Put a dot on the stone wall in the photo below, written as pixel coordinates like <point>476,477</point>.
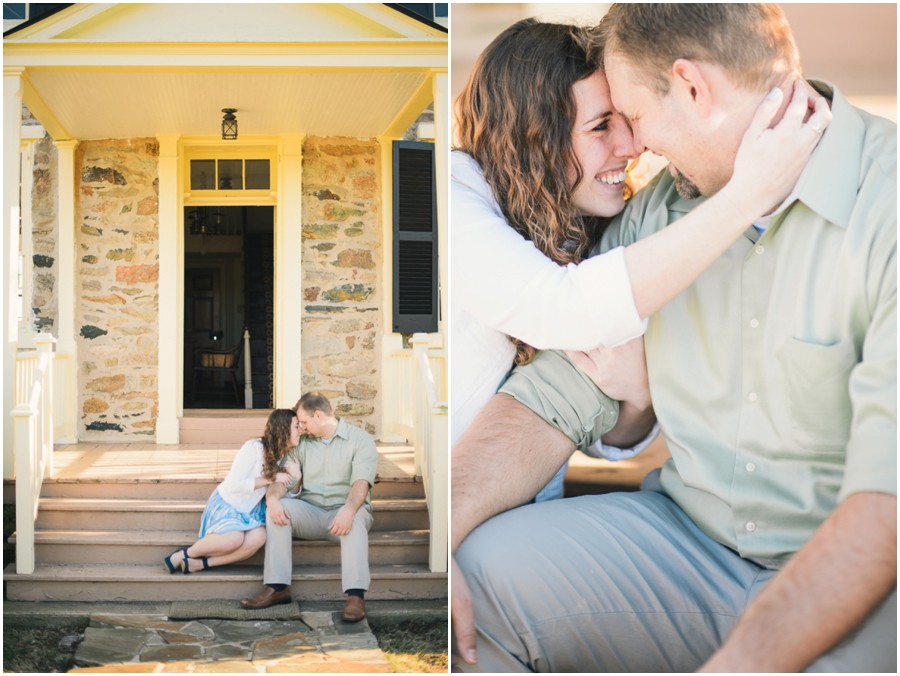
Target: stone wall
<point>45,224</point>
<point>117,271</point>
<point>342,285</point>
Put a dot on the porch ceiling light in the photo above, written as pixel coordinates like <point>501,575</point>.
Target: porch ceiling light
<point>229,124</point>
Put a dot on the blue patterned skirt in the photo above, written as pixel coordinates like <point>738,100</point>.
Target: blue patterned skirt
<point>220,517</point>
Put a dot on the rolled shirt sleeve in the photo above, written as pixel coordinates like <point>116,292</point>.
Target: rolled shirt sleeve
<point>365,461</point>
<point>560,393</point>
<point>872,446</point>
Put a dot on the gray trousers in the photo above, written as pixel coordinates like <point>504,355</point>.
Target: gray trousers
<point>624,582</point>
<point>309,522</point>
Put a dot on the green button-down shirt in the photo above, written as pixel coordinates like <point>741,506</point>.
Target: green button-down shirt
<point>329,470</point>
<point>774,375</point>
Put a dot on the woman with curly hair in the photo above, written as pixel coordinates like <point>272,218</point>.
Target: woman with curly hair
<point>540,167</point>
<point>233,525</point>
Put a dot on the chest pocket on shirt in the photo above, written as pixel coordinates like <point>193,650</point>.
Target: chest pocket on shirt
<point>818,393</point>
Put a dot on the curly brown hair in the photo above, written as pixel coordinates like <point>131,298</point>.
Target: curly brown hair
<point>276,440</point>
<point>515,119</point>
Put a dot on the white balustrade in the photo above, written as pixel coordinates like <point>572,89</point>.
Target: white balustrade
<point>32,441</point>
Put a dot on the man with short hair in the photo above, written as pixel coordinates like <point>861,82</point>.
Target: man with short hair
<point>332,502</point>
<point>768,541</point>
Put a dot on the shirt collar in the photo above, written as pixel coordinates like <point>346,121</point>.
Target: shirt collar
<point>829,182</point>
<point>341,429</point>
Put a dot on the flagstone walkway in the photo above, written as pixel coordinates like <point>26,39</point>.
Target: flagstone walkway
<point>316,642</point>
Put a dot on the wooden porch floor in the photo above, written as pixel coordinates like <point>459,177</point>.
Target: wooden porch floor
<point>146,462</point>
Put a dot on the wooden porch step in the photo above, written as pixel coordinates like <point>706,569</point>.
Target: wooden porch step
<point>194,489</point>
<point>148,547</point>
<point>51,582</point>
<point>142,513</point>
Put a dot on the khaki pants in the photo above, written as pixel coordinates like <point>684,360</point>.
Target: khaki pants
<point>309,522</point>
<point>623,582</point>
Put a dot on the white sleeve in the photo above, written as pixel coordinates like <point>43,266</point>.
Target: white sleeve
<point>241,477</point>
<point>614,453</point>
<point>502,279</point>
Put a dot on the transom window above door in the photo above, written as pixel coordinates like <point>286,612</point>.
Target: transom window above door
<point>230,174</point>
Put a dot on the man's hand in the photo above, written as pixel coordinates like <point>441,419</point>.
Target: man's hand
<point>277,512</point>
<point>343,521</point>
<point>462,616</point>
<point>274,508</point>
<point>284,479</point>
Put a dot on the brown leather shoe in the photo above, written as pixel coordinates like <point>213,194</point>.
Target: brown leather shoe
<point>355,610</point>
<point>267,597</point>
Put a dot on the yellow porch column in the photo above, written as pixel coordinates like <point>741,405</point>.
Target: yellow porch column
<point>442,178</point>
<point>289,274</point>
<point>12,134</point>
<point>66,366</point>
<point>170,301</point>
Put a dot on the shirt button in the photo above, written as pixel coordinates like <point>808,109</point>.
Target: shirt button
<point>750,526</point>
<point>752,396</point>
<point>760,249</point>
<point>754,323</point>
<point>751,467</point>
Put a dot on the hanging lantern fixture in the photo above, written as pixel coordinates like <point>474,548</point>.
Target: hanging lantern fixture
<point>229,124</point>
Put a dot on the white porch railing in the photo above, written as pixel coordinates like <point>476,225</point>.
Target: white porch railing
<point>32,440</point>
<point>431,444</point>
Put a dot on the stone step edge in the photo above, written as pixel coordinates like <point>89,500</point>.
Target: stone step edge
<point>99,573</point>
<point>165,505</point>
<point>162,537</point>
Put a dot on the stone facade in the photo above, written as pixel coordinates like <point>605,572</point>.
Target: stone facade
<point>45,224</point>
<point>342,285</point>
<point>117,270</point>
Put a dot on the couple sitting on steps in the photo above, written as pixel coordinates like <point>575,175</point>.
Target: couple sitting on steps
<point>309,476</point>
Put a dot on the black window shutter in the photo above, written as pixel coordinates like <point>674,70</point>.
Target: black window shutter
<point>415,239</point>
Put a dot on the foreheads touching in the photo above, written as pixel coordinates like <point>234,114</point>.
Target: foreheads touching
<point>313,411</point>
<point>752,43</point>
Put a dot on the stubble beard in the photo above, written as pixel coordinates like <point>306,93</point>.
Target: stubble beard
<point>686,188</point>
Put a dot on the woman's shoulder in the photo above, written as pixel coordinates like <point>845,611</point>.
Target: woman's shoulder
<point>252,446</point>
<point>464,168</point>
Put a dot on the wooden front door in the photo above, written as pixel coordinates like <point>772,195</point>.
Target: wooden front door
<point>202,321</point>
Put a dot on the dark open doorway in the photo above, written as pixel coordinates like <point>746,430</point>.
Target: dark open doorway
<point>228,287</point>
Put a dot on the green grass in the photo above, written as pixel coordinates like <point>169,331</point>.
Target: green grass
<point>41,644</point>
<point>413,646</point>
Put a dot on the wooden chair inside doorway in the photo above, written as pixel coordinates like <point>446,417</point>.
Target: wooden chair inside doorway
<point>217,361</point>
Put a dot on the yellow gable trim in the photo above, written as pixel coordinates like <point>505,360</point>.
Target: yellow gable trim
<point>226,22</point>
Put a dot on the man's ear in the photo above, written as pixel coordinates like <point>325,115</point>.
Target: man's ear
<point>691,84</point>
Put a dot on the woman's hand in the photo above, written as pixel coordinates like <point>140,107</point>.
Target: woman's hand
<point>621,372</point>
<point>292,467</point>
<point>285,479</point>
<point>771,158</point>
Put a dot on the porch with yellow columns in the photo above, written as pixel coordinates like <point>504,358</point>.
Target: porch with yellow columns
<point>170,301</point>
<point>12,135</point>
<point>65,391</point>
<point>289,273</point>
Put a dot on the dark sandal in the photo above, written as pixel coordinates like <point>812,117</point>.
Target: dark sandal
<point>186,569</point>
<point>168,560</point>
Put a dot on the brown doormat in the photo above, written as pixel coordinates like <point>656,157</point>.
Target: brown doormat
<point>230,609</point>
